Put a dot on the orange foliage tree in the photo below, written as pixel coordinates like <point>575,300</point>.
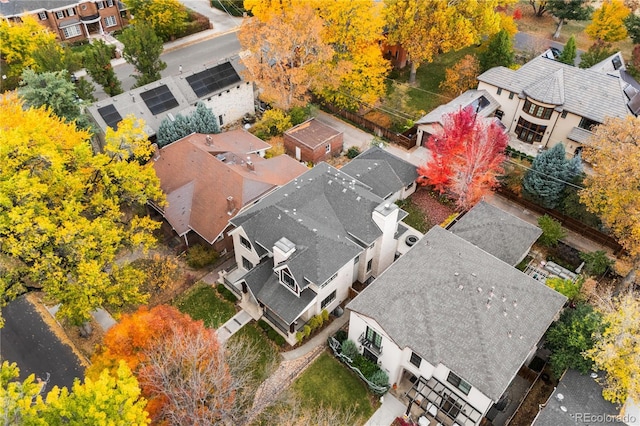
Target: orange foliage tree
<point>467,155</point>
<point>183,371</point>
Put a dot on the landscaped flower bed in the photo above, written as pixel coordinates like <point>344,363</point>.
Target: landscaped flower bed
<point>347,352</point>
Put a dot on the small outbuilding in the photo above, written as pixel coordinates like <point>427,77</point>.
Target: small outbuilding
<point>313,141</point>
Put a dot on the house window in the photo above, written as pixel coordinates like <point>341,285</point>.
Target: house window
<point>327,148</point>
<point>537,110</point>
<point>415,359</point>
<point>456,381</point>
<point>499,92</point>
<point>245,243</point>
<point>409,186</point>
<point>73,31</point>
<point>220,120</point>
<point>110,21</point>
<point>374,338</point>
<point>564,114</point>
<point>109,3</point>
<point>587,124</point>
<point>246,264</point>
<point>529,132</point>
<point>60,14</point>
<point>511,95</point>
<point>287,279</point>
<point>357,259</point>
<point>369,264</point>
<point>330,298</point>
<point>42,15</point>
<point>331,278</point>
<point>71,12</point>
<point>100,4</point>
<point>499,114</point>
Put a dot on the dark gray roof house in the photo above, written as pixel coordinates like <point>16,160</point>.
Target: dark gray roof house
<point>385,173</point>
<point>578,400</point>
<point>497,232</point>
<point>452,303</point>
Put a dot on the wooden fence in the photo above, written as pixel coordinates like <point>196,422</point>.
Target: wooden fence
<point>566,221</point>
<point>397,138</point>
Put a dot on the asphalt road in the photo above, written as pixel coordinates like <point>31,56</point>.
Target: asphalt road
<point>526,42</point>
<point>27,340</point>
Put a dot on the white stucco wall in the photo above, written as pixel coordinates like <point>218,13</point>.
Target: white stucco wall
<point>240,250</point>
<point>385,248</point>
<point>477,399</point>
<point>340,284</point>
<point>233,103</point>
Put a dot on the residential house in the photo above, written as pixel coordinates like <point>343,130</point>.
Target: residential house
<point>301,248</point>
<point>219,87</point>
<point>578,400</point>
<point>208,179</point>
<point>545,102</point>
<point>452,325</point>
<point>479,100</point>
<point>388,176</point>
<point>312,141</point>
<point>70,20</point>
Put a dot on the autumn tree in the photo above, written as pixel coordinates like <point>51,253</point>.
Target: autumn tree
<point>56,57</point>
<point>550,172</point>
<point>597,52</point>
<point>213,384</point>
<point>539,7</point>
<point>608,22</point>
<point>286,55</point>
<point>274,122</point>
<point>568,10</point>
<point>166,18</point>
<point>97,62</point>
<point>572,335</point>
<point>426,28</point>
<point>569,53</point>
<point>66,212</point>
<point>632,23</point>
<point>18,42</point>
<point>467,155</point>
<point>616,350</point>
<point>142,49</point>
<point>613,190</point>
<point>462,77</point>
<point>498,52</point>
<point>115,397</point>
<point>634,65</point>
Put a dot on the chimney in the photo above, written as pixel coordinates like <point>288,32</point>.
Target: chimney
<point>231,209</point>
<point>250,165</point>
<point>208,140</point>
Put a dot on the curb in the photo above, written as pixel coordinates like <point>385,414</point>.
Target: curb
<point>198,40</point>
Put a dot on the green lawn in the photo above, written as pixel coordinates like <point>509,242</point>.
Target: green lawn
<point>416,218</point>
<point>327,382</point>
<point>268,355</point>
<point>202,302</point>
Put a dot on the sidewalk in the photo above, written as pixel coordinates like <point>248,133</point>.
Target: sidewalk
<point>316,341</point>
<point>390,409</point>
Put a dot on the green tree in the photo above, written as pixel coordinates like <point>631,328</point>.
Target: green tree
<point>499,52</point>
<point>85,89</point>
<point>566,287</point>
<point>66,212</point>
<point>568,10</point>
<point>544,183</point>
<point>608,22</point>
<point>571,336</point>
<point>598,51</point>
<point>55,57</point>
<point>142,49</point>
<point>596,263</point>
<point>274,122</point>
<point>54,90</point>
<point>552,231</point>
<point>203,120</point>
<point>113,400</point>
<point>97,61</point>
<point>568,55</point>
<point>632,23</point>
<point>167,18</point>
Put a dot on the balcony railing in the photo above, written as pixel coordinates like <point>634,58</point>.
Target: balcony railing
<point>377,350</point>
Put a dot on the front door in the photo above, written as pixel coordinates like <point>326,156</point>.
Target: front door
<point>370,356</point>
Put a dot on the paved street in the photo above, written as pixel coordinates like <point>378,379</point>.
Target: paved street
<point>28,341</point>
<point>526,42</point>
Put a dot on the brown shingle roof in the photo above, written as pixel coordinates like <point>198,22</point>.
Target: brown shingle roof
<point>312,133</point>
<point>202,181</point>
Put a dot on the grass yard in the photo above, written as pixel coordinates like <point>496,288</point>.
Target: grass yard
<point>327,382</point>
<point>416,218</point>
<point>268,354</point>
<point>202,302</point>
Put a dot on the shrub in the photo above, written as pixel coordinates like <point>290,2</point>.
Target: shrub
<point>315,322</point>
<point>567,287</point>
<point>226,293</point>
<point>160,271</point>
<point>200,256</point>
<point>274,122</point>
<point>263,325</point>
<point>299,337</point>
<point>366,367</point>
<point>306,330</point>
<point>349,348</point>
<point>353,152</point>
<point>379,378</point>
<point>552,231</point>
<point>325,315</point>
<point>299,114</point>
<point>596,263</point>
<point>341,336</point>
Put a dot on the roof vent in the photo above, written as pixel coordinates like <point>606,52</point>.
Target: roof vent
<point>560,397</point>
<point>515,303</point>
<point>563,408</point>
<point>460,287</point>
<point>250,165</point>
<point>479,289</point>
<point>208,139</point>
<point>593,375</point>
<point>456,274</point>
<point>473,274</point>
<point>386,206</point>
<point>510,333</point>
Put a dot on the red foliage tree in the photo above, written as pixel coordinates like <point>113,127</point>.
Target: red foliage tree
<point>466,156</point>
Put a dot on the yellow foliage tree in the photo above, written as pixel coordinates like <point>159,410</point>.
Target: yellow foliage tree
<point>461,77</point>
<point>65,212</point>
<point>616,350</point>
<point>166,17</point>
<point>426,28</point>
<point>608,22</point>
<point>613,190</point>
<point>18,42</point>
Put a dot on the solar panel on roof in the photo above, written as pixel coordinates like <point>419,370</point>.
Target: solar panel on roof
<point>159,99</point>
<point>110,115</point>
<point>213,79</point>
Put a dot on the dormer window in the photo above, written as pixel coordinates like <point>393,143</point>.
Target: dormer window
<point>537,110</point>
<point>245,243</point>
<point>287,279</point>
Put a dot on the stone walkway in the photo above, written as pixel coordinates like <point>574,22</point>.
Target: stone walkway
<point>232,326</point>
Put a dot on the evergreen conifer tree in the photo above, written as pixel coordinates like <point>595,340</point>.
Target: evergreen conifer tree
<point>203,120</point>
<point>499,52</point>
<point>568,55</point>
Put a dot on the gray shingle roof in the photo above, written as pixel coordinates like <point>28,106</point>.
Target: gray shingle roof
<point>382,171</point>
<point>497,232</point>
<point>548,90</point>
<point>18,7</point>
<point>434,300</point>
<point>324,210</point>
<point>581,394</point>
<point>587,93</point>
<point>579,134</point>
<point>462,101</point>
